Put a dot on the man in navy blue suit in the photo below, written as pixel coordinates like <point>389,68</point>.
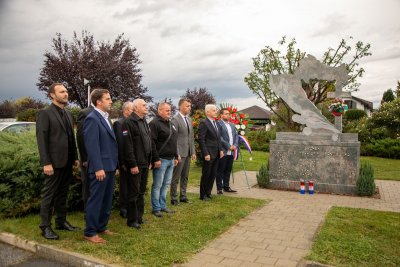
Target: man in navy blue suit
<point>229,141</point>
<point>102,155</point>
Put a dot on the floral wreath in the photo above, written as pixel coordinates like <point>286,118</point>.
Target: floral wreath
<point>240,120</point>
<point>338,107</point>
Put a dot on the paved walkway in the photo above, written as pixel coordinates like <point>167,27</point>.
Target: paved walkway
<point>281,232</point>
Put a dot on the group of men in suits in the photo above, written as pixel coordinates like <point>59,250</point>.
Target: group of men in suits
<point>218,140</point>
<point>131,145</point>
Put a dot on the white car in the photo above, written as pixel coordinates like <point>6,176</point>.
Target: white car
<point>17,126</point>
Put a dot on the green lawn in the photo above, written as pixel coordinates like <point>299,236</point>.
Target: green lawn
<point>161,241</point>
<point>385,169</point>
<point>358,237</point>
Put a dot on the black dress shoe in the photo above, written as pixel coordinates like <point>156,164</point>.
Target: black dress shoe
<point>142,221</point>
<point>168,211</point>
<point>185,200</point>
<point>209,196</point>
<point>219,192</point>
<point>67,226</point>
<point>123,213</point>
<point>229,190</point>
<point>157,213</point>
<point>174,202</point>
<point>48,233</point>
<point>134,225</point>
<point>205,198</point>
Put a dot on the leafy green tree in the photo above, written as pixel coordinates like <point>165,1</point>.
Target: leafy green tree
<point>276,61</point>
<point>114,66</point>
<point>388,116</point>
<point>398,89</point>
<point>388,96</point>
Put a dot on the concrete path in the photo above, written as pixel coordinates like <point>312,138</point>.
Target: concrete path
<point>15,257</point>
<point>281,232</point>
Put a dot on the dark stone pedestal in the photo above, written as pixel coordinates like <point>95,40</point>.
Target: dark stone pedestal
<point>333,166</point>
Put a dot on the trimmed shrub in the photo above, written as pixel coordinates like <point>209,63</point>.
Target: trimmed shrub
<point>27,115</point>
<point>366,183</point>
<point>354,114</point>
<point>259,140</point>
<point>21,177</point>
<point>263,176</point>
<point>385,148</point>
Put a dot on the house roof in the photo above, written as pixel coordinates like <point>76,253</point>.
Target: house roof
<point>366,103</point>
<point>256,113</point>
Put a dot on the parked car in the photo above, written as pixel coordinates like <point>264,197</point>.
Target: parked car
<point>17,127</point>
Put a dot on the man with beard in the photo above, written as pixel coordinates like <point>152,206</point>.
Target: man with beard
<point>57,151</point>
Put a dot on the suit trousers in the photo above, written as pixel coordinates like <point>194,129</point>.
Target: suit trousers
<point>99,204</point>
<point>224,172</point>
<point>180,176</point>
<point>209,171</point>
<point>137,184</point>
<point>123,188</point>
<point>54,196</point>
<point>85,185</point>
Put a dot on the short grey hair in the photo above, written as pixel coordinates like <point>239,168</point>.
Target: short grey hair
<point>162,104</point>
<point>209,107</point>
<point>127,105</point>
<point>136,102</point>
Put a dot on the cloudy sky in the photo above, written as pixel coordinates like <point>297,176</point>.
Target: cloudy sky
<point>196,43</point>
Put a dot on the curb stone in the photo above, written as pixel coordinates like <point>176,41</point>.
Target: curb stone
<point>50,253</point>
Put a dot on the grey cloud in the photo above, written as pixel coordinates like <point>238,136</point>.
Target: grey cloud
<point>332,24</point>
<point>144,8</point>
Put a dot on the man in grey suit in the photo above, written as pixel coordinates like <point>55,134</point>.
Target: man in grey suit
<point>186,151</point>
<point>229,141</point>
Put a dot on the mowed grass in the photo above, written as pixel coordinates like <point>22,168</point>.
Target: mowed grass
<point>358,237</point>
<point>161,241</point>
<point>385,169</point>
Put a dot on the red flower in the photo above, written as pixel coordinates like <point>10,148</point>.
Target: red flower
<point>245,122</point>
<point>237,121</point>
<point>241,115</point>
<point>229,108</point>
<point>234,109</point>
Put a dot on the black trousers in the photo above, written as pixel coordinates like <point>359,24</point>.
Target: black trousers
<point>123,188</point>
<point>209,171</point>
<point>137,184</point>
<point>224,172</point>
<point>85,185</point>
<point>54,196</point>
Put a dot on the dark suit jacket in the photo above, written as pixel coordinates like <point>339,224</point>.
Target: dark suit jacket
<point>101,144</point>
<point>52,137</point>
<point>117,126</point>
<point>79,131</point>
<point>225,136</point>
<point>209,139</point>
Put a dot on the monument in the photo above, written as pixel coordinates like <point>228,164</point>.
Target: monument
<point>321,153</point>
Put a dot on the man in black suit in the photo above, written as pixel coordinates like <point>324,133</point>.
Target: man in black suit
<point>82,151</point>
<point>211,150</point>
<point>57,150</point>
<point>127,109</point>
